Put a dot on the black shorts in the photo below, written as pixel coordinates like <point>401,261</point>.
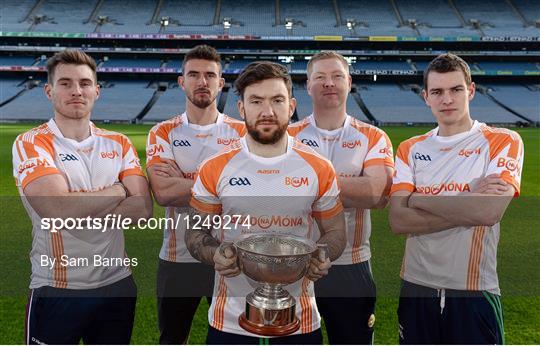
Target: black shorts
<point>346,302</point>
<point>97,316</point>
<point>443,316</point>
<point>180,287</point>
<point>217,337</point>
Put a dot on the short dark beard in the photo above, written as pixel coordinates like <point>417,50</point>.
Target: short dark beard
<point>256,135</point>
<point>201,104</point>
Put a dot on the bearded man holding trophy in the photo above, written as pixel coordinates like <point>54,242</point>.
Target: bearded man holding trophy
<point>252,212</point>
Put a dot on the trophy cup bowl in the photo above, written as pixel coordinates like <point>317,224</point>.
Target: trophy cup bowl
<point>272,261</point>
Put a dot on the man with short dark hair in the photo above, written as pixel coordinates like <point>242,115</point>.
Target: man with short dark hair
<point>69,170</point>
<point>451,188</point>
<point>174,150</point>
<point>273,181</point>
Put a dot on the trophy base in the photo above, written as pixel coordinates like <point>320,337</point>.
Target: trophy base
<point>268,330</point>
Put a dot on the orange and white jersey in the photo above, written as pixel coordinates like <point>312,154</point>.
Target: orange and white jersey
<point>188,145</point>
<point>278,195</point>
<point>461,258</point>
<point>351,148</point>
<point>95,163</point>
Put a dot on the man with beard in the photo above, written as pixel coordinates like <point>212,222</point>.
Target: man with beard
<point>278,184</point>
<point>174,150</point>
<point>69,170</point>
<point>362,157</point>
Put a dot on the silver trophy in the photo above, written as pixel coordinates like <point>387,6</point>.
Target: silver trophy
<point>272,261</point>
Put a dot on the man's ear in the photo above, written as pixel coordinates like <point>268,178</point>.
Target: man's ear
<point>241,109</point>
<point>472,90</point>
<point>180,81</point>
<point>292,107</point>
<point>48,90</point>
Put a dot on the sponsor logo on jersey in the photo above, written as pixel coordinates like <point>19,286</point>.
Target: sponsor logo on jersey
<point>181,143</point>
<point>310,143</point>
<point>351,145</point>
<point>68,157</point>
<point>330,139</point>
<point>33,162</point>
<point>509,164</point>
<point>154,149</point>
<point>296,181</point>
<point>267,221</point>
<point>268,171</point>
<point>469,152</point>
<point>136,162</point>
<point>346,175</point>
<point>387,151</point>
<point>445,149</point>
<point>239,181</point>
<point>203,135</point>
<point>422,157</point>
<point>227,141</point>
<point>109,154</point>
<point>85,150</point>
<point>436,189</point>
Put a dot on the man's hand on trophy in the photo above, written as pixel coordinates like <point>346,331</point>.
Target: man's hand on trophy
<point>225,260</point>
<point>320,263</point>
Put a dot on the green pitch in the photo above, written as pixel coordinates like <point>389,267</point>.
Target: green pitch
<point>519,254</point>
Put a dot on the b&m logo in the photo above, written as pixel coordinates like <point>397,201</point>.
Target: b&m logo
<point>154,149</point>
<point>227,141</point>
<point>310,143</point>
<point>266,221</point>
<point>31,163</point>
<point>350,145</point>
<point>181,143</point>
<point>469,152</point>
<point>386,151</point>
<point>436,189</point>
<point>68,157</point>
<point>509,164</point>
<point>422,157</point>
<point>135,162</point>
<point>239,181</point>
<point>109,154</point>
<point>296,181</point>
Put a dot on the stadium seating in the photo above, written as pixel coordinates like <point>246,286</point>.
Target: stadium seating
<point>118,62</point>
<point>172,102</point>
<point>252,17</point>
<point>231,108</point>
<point>405,105</point>
<point>9,88</point>
<point>519,98</point>
<point>17,61</point>
<point>31,105</point>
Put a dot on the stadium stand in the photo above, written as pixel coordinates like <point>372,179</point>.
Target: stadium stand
<point>250,17</point>
<point>523,100</point>
<point>8,89</point>
<point>30,105</point>
<point>170,103</point>
<point>381,65</point>
<point>17,61</point>
<point>406,106</point>
<point>63,21</point>
<point>231,108</point>
<point>118,62</point>
<point>122,100</point>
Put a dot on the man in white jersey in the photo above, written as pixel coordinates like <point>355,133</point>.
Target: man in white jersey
<point>174,150</point>
<point>362,157</point>
<point>281,185</point>
<point>70,170</point>
<point>450,191</point>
